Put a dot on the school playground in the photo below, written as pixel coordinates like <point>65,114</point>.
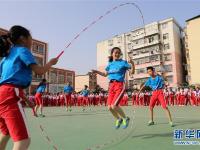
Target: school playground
<point>93,129</point>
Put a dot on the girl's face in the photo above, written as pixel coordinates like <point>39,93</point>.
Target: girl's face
<point>116,54</point>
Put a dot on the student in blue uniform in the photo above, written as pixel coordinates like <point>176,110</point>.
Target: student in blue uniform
<point>38,98</point>
<point>116,71</point>
<point>15,75</point>
<point>68,90</point>
<point>156,83</point>
<point>85,93</point>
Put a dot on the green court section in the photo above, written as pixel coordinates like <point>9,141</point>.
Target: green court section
<point>93,129</point>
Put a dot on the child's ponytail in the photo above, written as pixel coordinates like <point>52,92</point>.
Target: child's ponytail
<point>15,33</point>
<point>4,45</point>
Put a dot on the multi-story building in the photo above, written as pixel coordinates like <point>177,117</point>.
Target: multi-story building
<point>192,46</point>
<point>155,44</point>
<point>89,79</point>
<point>58,78</point>
<point>103,52</point>
<point>40,52</point>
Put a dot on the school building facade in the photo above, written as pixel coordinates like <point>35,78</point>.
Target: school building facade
<point>159,42</point>
<point>88,79</point>
<point>192,49</point>
<point>58,78</point>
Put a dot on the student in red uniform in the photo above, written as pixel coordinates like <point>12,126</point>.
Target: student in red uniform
<point>101,98</point>
<point>125,99</point>
<point>137,100</point>
<point>85,93</point>
<point>15,75</point>
<point>182,97</point>
<point>193,97</point>
<point>134,98</point>
<point>96,99</point>
<point>166,96</point>
<point>177,95</point>
<point>156,83</point>
<point>105,99</point>
<point>38,98</point>
<point>171,97</point>
<point>146,98</point>
<point>68,90</point>
<point>141,99</point>
<point>197,95</point>
<point>62,99</point>
<point>115,71</point>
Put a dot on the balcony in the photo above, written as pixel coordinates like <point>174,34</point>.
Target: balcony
<point>146,44</point>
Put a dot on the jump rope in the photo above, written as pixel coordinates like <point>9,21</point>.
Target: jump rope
<point>127,133</point>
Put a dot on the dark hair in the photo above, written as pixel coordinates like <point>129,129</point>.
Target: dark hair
<point>4,45</point>
<point>41,83</point>
<point>12,38</point>
<point>150,68</point>
<point>86,86</point>
<point>110,58</point>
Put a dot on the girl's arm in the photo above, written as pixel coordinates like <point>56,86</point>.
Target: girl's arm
<point>40,70</point>
<point>105,74</point>
<point>141,89</point>
<point>131,62</point>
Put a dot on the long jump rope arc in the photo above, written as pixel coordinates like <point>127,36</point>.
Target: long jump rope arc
<point>127,134</point>
<point>118,140</point>
<point>100,18</point>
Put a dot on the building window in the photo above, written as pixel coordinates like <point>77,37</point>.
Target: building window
<point>164,25</point>
<point>168,68</point>
<point>110,42</point>
<point>168,57</point>
<point>139,71</point>
<point>137,62</point>
<point>154,58</point>
<point>61,78</point>
<point>119,39</point>
<point>147,60</point>
<point>151,39</point>
<point>128,37</point>
<point>165,36</point>
<point>38,48</point>
<point>53,77</point>
<point>166,46</point>
<point>188,78</point>
<point>41,49</point>
<point>69,77</point>
<point>170,79</point>
<point>129,45</point>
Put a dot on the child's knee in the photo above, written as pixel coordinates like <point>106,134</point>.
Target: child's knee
<point>4,138</point>
<point>114,107</point>
<point>109,107</point>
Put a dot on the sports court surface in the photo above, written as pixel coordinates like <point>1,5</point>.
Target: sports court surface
<point>94,129</point>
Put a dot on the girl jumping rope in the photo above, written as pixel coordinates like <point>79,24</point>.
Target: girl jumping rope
<point>116,71</point>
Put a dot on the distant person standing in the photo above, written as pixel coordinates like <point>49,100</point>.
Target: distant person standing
<point>68,90</point>
<point>38,97</point>
<point>85,93</point>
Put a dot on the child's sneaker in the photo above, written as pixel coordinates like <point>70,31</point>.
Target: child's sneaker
<point>171,124</point>
<point>118,123</point>
<point>125,122</point>
<point>150,123</point>
<point>41,115</point>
